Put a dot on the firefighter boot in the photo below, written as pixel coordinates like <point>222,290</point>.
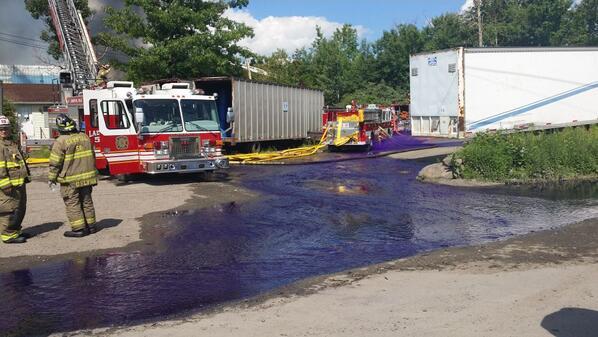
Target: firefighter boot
<point>18,239</point>
<point>77,234</point>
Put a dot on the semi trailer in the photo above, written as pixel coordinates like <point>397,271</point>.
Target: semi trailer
<point>458,92</point>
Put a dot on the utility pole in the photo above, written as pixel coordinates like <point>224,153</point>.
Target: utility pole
<point>478,4</point>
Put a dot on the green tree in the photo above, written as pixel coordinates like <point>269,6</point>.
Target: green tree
<point>580,27</point>
<point>176,38</point>
<point>449,31</point>
<point>375,93</point>
<point>9,111</point>
<point>39,9</point>
<point>392,52</point>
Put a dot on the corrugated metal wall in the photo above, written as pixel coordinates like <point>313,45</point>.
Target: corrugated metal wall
<point>272,112</point>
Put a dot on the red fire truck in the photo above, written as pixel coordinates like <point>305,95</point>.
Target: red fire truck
<point>163,129</point>
<point>356,127</point>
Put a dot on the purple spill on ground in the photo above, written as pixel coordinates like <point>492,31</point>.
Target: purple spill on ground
<point>313,220</point>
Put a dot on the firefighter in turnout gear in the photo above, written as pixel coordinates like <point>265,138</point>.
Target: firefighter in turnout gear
<point>72,165</point>
<point>14,174</point>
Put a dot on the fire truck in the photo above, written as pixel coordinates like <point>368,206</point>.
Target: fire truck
<point>356,127</point>
<point>167,129</point>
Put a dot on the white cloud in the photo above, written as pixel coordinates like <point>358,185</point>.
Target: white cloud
<point>467,5</point>
<point>284,32</point>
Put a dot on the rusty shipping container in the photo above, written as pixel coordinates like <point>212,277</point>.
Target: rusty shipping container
<point>264,111</point>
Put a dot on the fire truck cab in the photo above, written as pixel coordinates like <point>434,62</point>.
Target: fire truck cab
<point>166,130</point>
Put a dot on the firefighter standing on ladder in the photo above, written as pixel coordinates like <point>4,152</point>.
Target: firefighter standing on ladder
<point>14,174</point>
<point>72,165</point>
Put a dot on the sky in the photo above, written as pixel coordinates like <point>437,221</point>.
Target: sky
<point>285,24</point>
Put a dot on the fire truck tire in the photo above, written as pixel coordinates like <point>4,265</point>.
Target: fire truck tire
<point>123,178</point>
<point>207,175</point>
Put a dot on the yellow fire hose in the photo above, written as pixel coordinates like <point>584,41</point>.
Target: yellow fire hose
<point>255,158</point>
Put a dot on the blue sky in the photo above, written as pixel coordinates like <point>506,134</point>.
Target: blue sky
<point>375,15</point>
<point>285,24</point>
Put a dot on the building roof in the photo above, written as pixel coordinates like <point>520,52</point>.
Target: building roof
<point>31,93</point>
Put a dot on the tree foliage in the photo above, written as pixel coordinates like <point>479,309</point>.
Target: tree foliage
<point>175,38</point>
<point>9,111</point>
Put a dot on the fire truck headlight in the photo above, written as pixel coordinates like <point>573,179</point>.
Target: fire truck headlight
<point>158,167</point>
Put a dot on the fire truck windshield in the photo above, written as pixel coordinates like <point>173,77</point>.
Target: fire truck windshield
<point>160,115</point>
<point>199,115</point>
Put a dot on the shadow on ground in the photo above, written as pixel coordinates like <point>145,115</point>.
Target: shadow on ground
<point>572,322</point>
<point>51,226</point>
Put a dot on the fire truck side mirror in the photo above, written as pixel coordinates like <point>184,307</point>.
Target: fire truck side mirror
<point>230,115</point>
<point>139,116</point>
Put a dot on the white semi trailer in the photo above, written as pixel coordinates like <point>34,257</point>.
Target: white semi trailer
<point>455,93</point>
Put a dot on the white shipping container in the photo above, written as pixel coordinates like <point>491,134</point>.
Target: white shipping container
<point>467,90</point>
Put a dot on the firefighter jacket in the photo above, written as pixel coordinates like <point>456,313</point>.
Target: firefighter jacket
<point>13,169</point>
<point>72,161</point>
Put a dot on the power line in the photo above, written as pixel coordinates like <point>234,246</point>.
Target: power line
<point>22,37</point>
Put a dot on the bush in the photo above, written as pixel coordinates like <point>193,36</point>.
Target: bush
<point>524,156</point>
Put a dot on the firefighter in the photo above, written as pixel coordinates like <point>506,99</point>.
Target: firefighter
<point>14,174</point>
<point>72,165</point>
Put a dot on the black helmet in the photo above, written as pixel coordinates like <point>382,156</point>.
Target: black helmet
<point>65,124</point>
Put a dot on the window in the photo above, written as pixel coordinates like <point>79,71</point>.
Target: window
<point>199,115</point>
<point>93,113</point>
<point>115,115</point>
<point>160,115</point>
<point>413,71</point>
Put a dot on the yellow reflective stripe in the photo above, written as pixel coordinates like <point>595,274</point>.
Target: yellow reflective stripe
<point>12,164</point>
<point>6,237</point>
<point>4,182</point>
<point>91,220</point>
<point>56,157</point>
<point>52,175</point>
<point>78,155</point>
<point>17,181</point>
<point>77,224</point>
<point>76,177</point>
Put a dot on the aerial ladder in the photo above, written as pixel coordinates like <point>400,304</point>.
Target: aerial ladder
<point>75,43</point>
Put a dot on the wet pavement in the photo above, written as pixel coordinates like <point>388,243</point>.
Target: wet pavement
<point>312,220</point>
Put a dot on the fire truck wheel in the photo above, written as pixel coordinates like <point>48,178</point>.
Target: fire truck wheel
<point>123,178</point>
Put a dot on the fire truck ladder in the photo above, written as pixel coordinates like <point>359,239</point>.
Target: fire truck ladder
<point>74,42</point>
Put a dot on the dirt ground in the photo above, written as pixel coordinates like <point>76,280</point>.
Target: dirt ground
<point>121,211</point>
<point>541,284</point>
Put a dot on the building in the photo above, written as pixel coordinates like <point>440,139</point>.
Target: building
<point>29,74</point>
<point>32,103</point>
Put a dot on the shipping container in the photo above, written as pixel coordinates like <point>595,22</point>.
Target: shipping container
<point>264,111</point>
<point>455,93</point>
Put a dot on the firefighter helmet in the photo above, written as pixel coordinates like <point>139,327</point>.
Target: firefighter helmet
<point>65,124</point>
<point>4,122</point>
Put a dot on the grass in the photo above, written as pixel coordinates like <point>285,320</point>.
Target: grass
<point>566,154</point>
<point>42,152</point>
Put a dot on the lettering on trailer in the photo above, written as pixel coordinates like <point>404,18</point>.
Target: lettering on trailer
<point>285,106</point>
<point>432,61</point>
<point>94,135</point>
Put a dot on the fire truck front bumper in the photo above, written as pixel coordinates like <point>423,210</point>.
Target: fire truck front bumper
<point>185,166</point>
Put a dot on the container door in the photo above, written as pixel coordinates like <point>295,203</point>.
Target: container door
<point>118,138</point>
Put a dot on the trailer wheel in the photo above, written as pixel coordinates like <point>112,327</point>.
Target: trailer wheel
<point>256,147</point>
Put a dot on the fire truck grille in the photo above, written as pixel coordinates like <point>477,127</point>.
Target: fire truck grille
<point>184,147</point>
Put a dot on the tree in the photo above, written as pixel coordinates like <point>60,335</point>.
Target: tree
<point>375,93</point>
<point>449,31</point>
<point>392,52</point>
<point>176,38</point>
<point>39,9</point>
<point>8,110</point>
